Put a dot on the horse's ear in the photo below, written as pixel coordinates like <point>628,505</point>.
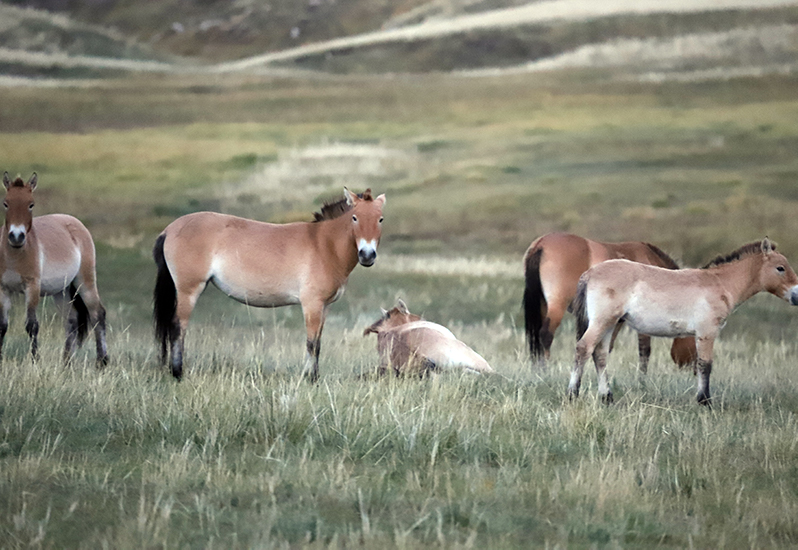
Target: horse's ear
<point>6,180</point>
<point>383,312</point>
<point>34,179</point>
<point>350,197</point>
<point>381,200</point>
<point>767,246</point>
<point>402,307</point>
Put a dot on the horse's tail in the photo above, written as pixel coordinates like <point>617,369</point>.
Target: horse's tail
<point>579,307</point>
<point>164,300</point>
<point>83,313</point>
<point>534,300</point>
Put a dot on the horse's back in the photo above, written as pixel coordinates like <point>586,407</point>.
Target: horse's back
<point>65,246</point>
<point>256,263</point>
<point>437,344</point>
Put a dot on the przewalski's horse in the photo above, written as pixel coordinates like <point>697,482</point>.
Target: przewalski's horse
<point>661,302</point>
<point>263,265</point>
<point>552,266</point>
<point>410,345</point>
<point>49,255</point>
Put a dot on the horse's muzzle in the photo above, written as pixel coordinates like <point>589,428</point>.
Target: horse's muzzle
<point>367,257</point>
<point>794,296</point>
<point>17,240</point>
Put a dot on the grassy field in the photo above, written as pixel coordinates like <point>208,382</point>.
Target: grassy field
<point>243,453</point>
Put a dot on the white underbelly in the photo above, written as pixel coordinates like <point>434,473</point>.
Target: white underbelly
<point>258,297</point>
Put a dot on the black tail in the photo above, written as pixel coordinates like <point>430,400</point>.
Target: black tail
<point>579,307</point>
<point>164,301</point>
<point>83,313</point>
<point>534,301</point>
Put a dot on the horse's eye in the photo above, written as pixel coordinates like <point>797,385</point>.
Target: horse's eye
<point>780,269</point>
<point>354,218</point>
<point>5,205</point>
<point>381,219</point>
<point>30,206</point>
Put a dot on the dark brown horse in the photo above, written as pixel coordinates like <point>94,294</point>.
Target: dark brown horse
<point>552,267</point>
<point>263,265</point>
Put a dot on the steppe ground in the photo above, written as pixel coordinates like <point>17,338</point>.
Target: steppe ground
<point>244,453</point>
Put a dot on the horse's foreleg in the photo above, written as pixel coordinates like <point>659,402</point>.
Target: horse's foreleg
<point>704,347</point>
<point>5,305</point>
<point>314,323</point>
<point>31,322</point>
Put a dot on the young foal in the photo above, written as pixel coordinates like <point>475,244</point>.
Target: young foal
<point>410,345</point>
<point>49,255</point>
<point>553,264</point>
<point>661,302</point>
<point>263,265</point>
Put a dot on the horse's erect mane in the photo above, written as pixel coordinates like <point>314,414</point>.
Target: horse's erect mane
<point>669,262</point>
<point>334,209</point>
<point>19,182</point>
<point>742,252</point>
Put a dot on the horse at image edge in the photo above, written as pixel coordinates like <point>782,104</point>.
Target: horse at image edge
<point>672,303</point>
<point>50,255</point>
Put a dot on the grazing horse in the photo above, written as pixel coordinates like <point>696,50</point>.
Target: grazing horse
<point>410,345</point>
<point>661,302</point>
<point>49,255</point>
<point>552,266</point>
<point>263,265</point>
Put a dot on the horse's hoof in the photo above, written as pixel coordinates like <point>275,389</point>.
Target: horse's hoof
<point>607,399</point>
<point>177,372</point>
<point>102,362</point>
<point>705,400</point>
<point>312,377</point>
<point>572,394</point>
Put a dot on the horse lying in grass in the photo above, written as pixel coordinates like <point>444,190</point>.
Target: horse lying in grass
<point>50,255</point>
<point>262,265</point>
<point>410,345</point>
<point>552,266</point>
<point>668,303</point>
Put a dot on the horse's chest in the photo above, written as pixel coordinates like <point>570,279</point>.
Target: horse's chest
<point>12,281</point>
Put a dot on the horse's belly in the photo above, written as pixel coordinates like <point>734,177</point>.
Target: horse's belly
<point>258,297</point>
<point>660,322</point>
<point>57,275</point>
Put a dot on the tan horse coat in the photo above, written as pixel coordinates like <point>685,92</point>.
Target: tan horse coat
<point>552,266</point>
<point>668,303</point>
<point>263,265</point>
<point>410,345</point>
<point>50,255</point>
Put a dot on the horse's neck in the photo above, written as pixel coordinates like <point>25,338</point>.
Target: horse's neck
<point>336,239</point>
<point>740,278</point>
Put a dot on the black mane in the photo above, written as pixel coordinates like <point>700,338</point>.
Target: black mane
<point>668,262</point>
<point>333,209</point>
<point>745,250</point>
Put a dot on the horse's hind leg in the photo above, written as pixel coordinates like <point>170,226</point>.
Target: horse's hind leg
<point>71,325</point>
<point>597,333</point>
<point>600,360</point>
<point>704,368</point>
<point>187,295</point>
<point>644,352</point>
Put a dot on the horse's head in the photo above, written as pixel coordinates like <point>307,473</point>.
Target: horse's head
<point>776,275</point>
<point>18,204</point>
<point>399,315</point>
<point>366,218</point>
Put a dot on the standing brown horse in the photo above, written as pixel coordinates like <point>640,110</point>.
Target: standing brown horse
<point>552,267</point>
<point>662,302</point>
<point>49,255</point>
<point>263,265</point>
